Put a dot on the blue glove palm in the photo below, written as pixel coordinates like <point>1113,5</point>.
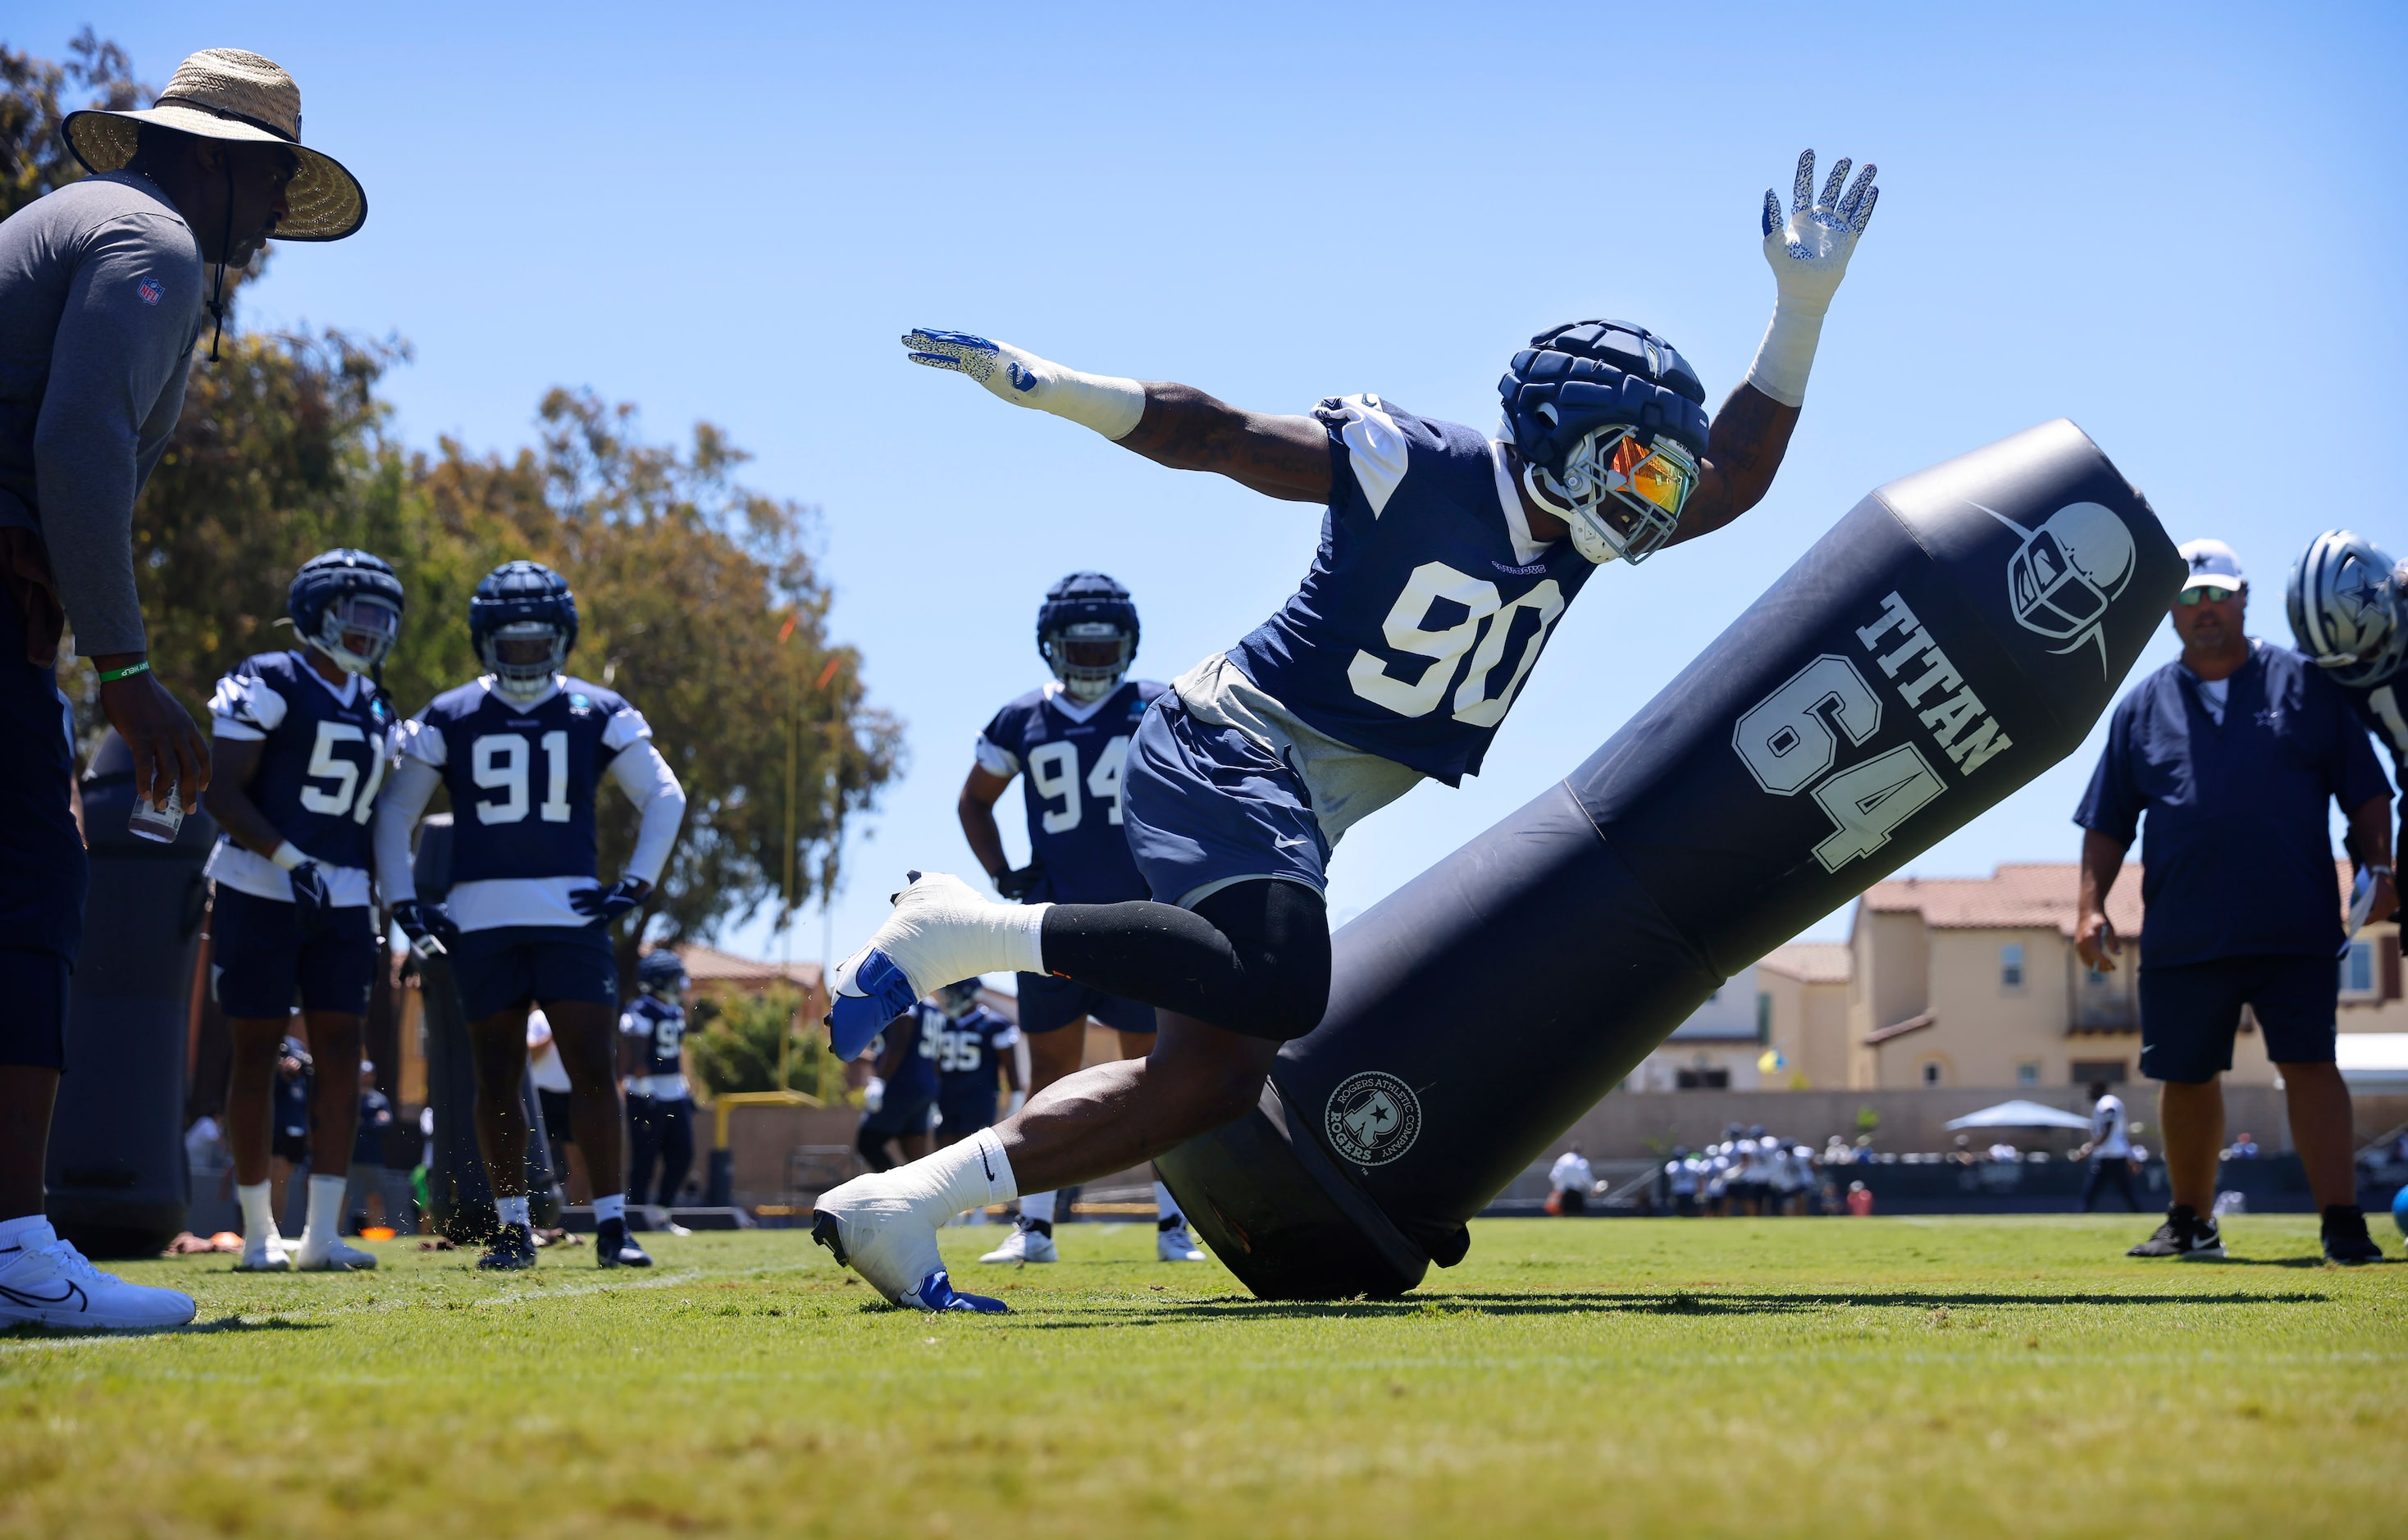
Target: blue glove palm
<point>428,926</point>
<point>602,905</point>
<point>311,903</point>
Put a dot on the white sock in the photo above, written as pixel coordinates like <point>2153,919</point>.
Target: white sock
<point>258,1213</point>
<point>325,1213</point>
<point>1036,1206</point>
<point>612,1208</point>
<point>1165,1206</point>
<point>14,1232</point>
<point>512,1210</point>
<point>970,1174</point>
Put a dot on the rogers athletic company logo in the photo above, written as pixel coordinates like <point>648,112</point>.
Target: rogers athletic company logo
<point>1372,1118</point>
<point>2062,579</point>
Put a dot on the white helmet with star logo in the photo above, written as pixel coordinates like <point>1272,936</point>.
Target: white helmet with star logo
<point>2344,606</point>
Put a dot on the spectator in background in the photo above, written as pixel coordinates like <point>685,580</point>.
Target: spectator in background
<point>1570,1176</point>
<point>2233,754</point>
<point>2110,1150</point>
<point>363,1194</point>
<point>2244,1149</point>
<point>551,1077</point>
<point>899,1103</point>
<point>1681,1177</point>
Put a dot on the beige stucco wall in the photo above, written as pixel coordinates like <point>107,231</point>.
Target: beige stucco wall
<point>1809,1027</point>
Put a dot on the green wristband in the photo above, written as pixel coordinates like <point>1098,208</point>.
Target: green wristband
<point>113,675</point>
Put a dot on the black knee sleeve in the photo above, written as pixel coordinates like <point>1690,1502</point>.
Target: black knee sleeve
<point>1253,957</point>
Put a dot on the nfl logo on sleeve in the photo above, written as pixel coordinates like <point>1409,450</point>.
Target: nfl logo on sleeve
<point>151,291</point>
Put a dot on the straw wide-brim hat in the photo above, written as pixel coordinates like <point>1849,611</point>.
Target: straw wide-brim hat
<point>226,93</point>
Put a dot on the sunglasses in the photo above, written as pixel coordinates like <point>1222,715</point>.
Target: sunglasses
<point>2212,593</point>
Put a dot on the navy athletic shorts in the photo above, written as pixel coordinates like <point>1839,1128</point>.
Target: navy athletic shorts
<point>43,872</point>
<point>965,1112</point>
<point>2189,1014</point>
<point>1048,1002</point>
<point>260,964</point>
<point>898,1116</point>
<point>520,964</point>
<point>34,1027</point>
<point>1207,807</point>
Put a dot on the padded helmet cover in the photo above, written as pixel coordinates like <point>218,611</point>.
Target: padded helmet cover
<point>1586,375</point>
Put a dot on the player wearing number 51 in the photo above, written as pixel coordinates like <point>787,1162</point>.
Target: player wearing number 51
<point>299,745</point>
<point>521,750</point>
<point>1445,559</point>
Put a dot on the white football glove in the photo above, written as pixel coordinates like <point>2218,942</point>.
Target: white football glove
<point>1109,404</point>
<point>1809,253</point>
<point>873,1095</point>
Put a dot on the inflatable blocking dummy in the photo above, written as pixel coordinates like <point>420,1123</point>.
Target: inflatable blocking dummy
<point>1957,633</point>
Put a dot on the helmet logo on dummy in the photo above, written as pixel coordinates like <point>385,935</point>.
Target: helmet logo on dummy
<point>1372,1118</point>
<point>2062,579</point>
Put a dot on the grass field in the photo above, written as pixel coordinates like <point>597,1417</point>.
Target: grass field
<point>1889,1376</point>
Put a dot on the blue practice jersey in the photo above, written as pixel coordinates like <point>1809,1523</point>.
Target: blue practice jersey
<point>658,1030</point>
<point>322,759</point>
<point>1428,601</point>
<point>2380,707</point>
<point>1072,756</point>
<point>522,784</point>
<point>969,1050</point>
<point>914,1078</point>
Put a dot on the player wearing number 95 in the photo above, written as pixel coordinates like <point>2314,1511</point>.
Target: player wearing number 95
<point>521,750</point>
<point>1446,557</point>
<point>300,740</point>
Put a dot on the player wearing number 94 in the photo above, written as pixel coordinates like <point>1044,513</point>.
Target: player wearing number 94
<point>1446,557</point>
<point>521,750</point>
<point>299,745</point>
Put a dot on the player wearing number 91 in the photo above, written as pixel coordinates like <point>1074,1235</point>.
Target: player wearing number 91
<point>523,750</point>
<point>1446,558</point>
<point>300,741</point>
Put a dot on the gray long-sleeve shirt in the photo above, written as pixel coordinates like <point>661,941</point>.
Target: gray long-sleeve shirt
<point>101,291</point>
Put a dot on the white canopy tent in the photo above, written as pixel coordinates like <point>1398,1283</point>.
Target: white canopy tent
<point>2020,1114</point>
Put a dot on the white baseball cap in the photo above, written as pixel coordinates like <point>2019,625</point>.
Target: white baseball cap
<point>2211,564</point>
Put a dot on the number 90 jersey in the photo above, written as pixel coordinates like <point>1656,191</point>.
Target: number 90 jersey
<point>320,763</point>
<point>1428,601</point>
<point>1072,755</point>
<point>522,784</point>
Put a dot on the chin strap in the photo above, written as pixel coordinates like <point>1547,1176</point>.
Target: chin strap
<point>217,291</point>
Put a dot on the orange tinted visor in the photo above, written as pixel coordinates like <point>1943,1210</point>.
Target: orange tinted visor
<point>1656,478</point>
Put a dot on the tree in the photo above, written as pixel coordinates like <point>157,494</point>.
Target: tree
<point>33,158</point>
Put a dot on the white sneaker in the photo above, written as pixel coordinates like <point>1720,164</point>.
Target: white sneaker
<point>1175,1245</point>
<point>333,1257</point>
<point>881,1233</point>
<point>49,1282</point>
<point>263,1253</point>
<point>941,929</point>
<point>1024,1246</point>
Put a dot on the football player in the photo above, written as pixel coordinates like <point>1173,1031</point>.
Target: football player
<point>523,750</point>
<point>299,741</point>
<point>900,1100</point>
<point>2348,613</point>
<point>973,1049</point>
<point>1071,738</point>
<point>1446,557</point>
<point>659,1098</point>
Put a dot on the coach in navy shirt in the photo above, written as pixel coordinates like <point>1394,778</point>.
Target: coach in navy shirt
<point>2232,753</point>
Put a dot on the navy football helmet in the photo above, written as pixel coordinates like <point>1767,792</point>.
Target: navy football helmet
<point>2345,609</point>
<point>523,620</point>
<point>1610,423</point>
<point>347,604</point>
<point>957,1000</point>
<point>1087,632</point>
<point>659,972</point>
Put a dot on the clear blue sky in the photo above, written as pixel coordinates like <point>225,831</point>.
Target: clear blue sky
<point>2181,226</point>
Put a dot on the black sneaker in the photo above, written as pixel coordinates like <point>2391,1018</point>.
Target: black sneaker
<point>2346,1241</point>
<point>2184,1234</point>
<point>614,1247</point>
<point>512,1251</point>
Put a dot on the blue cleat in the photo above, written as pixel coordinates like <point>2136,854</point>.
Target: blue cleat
<point>886,993</point>
<point>935,1294</point>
